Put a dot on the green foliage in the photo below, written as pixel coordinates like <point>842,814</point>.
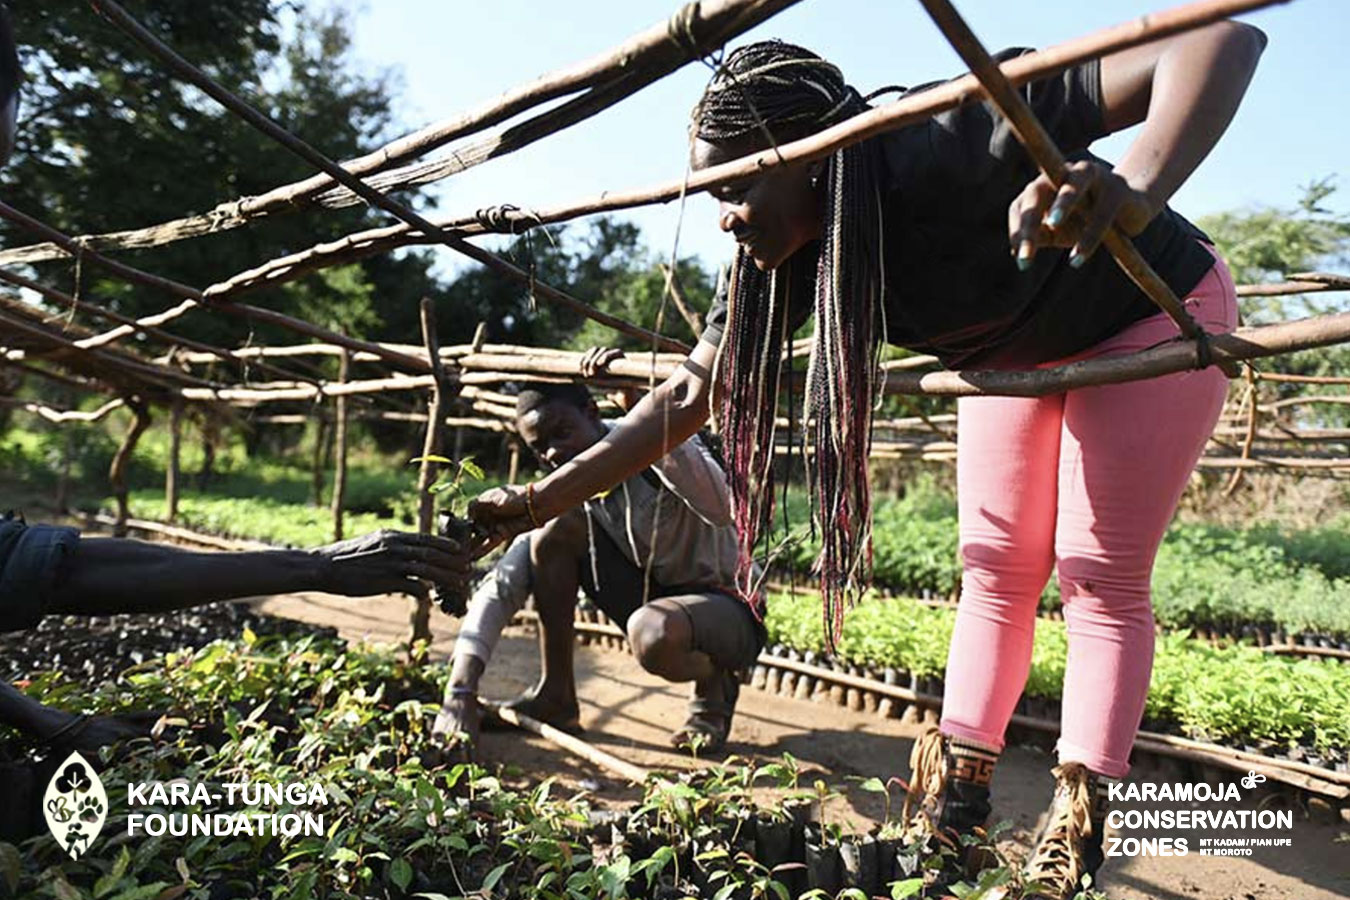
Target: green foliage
<point>401,819</point>
<point>454,489</point>
<point>1205,575</point>
<point>914,541</point>
<point>109,139</point>
<point>1266,244</point>
<point>1234,694</point>
<point>258,518</point>
<point>355,720</point>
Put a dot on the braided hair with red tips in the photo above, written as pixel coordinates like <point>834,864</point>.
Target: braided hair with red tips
<point>782,92</point>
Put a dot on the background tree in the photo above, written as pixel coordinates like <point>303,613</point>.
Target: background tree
<point>108,140</point>
<point>1269,244</point>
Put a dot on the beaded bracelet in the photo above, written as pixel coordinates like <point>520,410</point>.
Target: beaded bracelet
<point>459,690</point>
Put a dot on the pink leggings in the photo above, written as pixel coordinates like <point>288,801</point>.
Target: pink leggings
<point>1086,482</point>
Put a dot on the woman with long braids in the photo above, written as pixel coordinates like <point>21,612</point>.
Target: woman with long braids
<point>942,237</point>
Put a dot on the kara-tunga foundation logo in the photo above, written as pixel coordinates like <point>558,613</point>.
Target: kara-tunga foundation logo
<point>75,805</point>
<point>76,808</point>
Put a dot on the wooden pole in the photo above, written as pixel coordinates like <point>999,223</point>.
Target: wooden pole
<point>129,326</point>
<point>513,468</point>
<point>572,744</point>
<point>193,298</point>
<point>317,457</point>
<point>171,472</point>
<point>599,82</point>
<point>117,472</point>
<point>1174,356</point>
<point>431,446</point>
<point>340,449</point>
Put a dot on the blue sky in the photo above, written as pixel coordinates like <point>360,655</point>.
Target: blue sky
<point>450,55</point>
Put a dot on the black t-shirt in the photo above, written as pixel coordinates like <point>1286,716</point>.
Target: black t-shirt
<point>953,288</point>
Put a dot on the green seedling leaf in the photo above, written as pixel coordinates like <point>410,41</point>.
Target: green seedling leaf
<point>401,873</point>
<point>910,887</point>
<point>494,876</point>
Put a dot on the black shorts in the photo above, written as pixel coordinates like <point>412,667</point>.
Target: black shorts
<point>623,589</point>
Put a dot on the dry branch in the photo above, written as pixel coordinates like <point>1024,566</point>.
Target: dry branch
<point>195,76</point>
<point>431,446</point>
<point>1175,356</point>
<point>193,298</point>
<point>606,77</point>
<point>340,450</point>
<point>677,296</point>
<point>61,416</point>
<point>127,325</point>
<point>571,744</point>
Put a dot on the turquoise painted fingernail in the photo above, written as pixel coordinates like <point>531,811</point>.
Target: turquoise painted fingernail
<point>1076,260</point>
<point>1056,216</point>
<point>1023,263</point>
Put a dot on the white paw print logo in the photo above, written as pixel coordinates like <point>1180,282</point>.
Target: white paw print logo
<point>75,805</point>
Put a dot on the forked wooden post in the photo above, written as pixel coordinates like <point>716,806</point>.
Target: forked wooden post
<point>340,448</point>
<point>117,472</point>
<point>431,446</point>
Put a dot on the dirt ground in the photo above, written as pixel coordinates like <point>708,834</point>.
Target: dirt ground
<point>631,713</point>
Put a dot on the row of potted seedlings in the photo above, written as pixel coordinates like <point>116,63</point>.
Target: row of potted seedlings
<point>784,682</point>
<point>707,837</point>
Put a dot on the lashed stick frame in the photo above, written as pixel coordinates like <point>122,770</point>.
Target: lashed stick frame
<point>857,129</point>
<point>586,88</point>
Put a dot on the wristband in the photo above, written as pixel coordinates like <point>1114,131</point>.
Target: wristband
<point>66,729</point>
<point>529,505</point>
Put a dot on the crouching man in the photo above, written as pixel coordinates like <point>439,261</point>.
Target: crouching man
<point>657,554</point>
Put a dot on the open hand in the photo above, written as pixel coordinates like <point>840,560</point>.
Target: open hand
<point>392,562</point>
<point>1077,214</point>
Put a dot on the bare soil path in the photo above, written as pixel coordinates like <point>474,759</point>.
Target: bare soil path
<point>631,713</point>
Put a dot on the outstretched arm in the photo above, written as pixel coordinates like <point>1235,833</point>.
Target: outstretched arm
<point>1185,90</point>
<point>111,575</point>
<point>661,420</point>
